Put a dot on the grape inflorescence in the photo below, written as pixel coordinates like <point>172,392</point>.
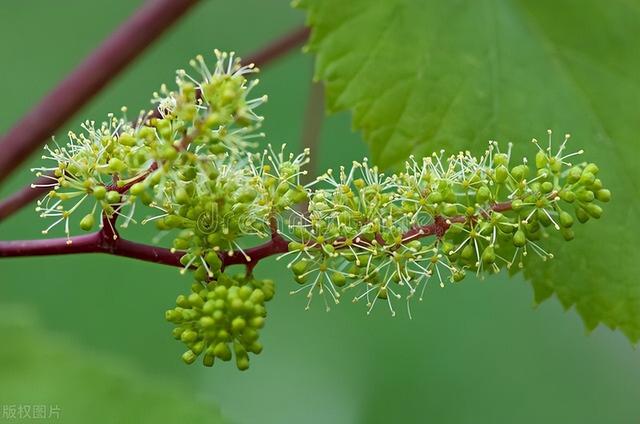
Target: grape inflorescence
<point>386,237</point>
<point>373,237</point>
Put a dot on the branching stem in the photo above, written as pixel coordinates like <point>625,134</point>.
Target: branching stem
<point>108,241</point>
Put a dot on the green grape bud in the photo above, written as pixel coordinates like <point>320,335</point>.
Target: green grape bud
<point>187,174</point>
<point>173,315</point>
<point>116,165</point>
<point>222,351</point>
<point>293,246</point>
<point>198,347</point>
<point>516,205</point>
<point>543,218</point>
<point>587,178</point>
<point>449,210</point>
<point>603,195</point>
<point>207,322</point>
<point>382,293</point>
<point>127,140</point>
<point>567,234</point>
<point>582,215</point>
<point>213,260</point>
<point>189,336</point>
<point>238,324</point>
<point>489,255</point>
<point>299,267</point>
<point>483,194</point>
<point>546,187</point>
<point>574,174</point>
<point>555,165</point>
<point>168,153</point>
<point>500,159</point>
<point>250,335</point>
<point>113,197</point>
<point>338,279</point>
<point>87,222</point>
<point>448,247</point>
<point>520,172</point>
<point>236,305</point>
<point>468,252</point>
<point>299,195</point>
<point>434,197</point>
<point>282,188</point>
<point>502,173</point>
<point>258,296</point>
<point>592,168</point>
<point>182,196</point>
<point>585,196</point>
<point>247,195</point>
<point>244,292</point>
<point>220,292</point>
<point>182,301</point>
<point>242,362</point>
<point>597,185</point>
<point>147,133</point>
<point>541,159</point>
<point>189,357</point>
<point>566,220</point>
<point>195,300</point>
<point>99,192</point>
<point>567,196</point>
<point>519,238</point>
<point>594,210</point>
<point>209,307</point>
<point>414,245</point>
<point>208,360</point>
<point>257,322</point>
<point>177,332</point>
<point>255,347</point>
<point>200,274</point>
<point>137,189</point>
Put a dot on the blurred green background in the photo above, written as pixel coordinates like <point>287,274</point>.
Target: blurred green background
<point>87,333</point>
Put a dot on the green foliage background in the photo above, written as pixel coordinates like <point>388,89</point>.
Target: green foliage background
<point>474,352</point>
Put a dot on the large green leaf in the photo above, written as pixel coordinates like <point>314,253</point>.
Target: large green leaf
<point>61,382</point>
<point>423,75</point>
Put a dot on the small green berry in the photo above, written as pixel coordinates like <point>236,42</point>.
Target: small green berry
<point>113,197</point>
<point>603,195</point>
<point>87,222</point>
<point>99,192</point>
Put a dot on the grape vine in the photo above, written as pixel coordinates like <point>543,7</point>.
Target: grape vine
<point>366,236</point>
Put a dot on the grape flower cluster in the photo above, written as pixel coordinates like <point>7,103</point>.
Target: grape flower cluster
<point>193,162</point>
<point>386,237</point>
<point>214,318</point>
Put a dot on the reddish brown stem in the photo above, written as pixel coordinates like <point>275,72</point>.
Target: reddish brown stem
<point>104,241</point>
<point>108,241</point>
<point>26,195</point>
<point>23,197</point>
<point>99,242</point>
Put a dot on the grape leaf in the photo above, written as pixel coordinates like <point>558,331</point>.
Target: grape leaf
<point>423,75</point>
<point>77,386</point>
